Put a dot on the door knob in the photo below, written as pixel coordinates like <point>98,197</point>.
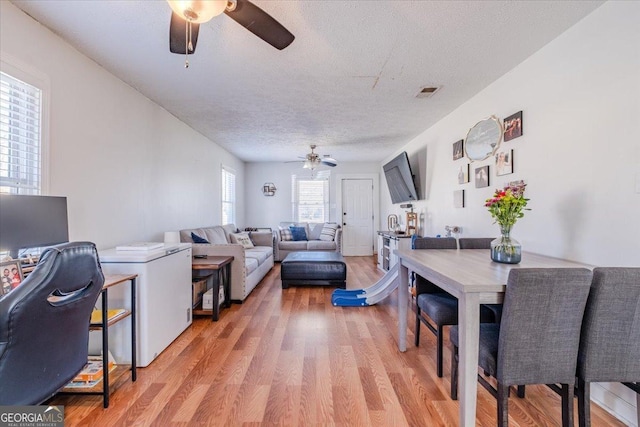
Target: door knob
<point>344,223</point>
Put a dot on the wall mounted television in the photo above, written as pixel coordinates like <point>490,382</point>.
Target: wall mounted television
<point>32,222</point>
<point>400,179</point>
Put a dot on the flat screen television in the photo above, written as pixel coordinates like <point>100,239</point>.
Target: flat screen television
<point>32,222</point>
<point>400,179</point>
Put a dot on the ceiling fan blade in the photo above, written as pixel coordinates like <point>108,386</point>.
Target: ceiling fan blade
<point>261,24</point>
<point>177,35</point>
<point>328,161</point>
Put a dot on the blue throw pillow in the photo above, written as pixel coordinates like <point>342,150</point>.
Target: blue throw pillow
<point>298,233</point>
<point>198,239</point>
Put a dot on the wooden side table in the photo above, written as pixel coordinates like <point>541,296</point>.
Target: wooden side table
<point>219,269</point>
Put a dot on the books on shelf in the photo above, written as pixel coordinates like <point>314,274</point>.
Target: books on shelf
<point>91,374</point>
<point>140,246</point>
<point>112,314</point>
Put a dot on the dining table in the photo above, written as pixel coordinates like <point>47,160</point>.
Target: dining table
<point>474,279</point>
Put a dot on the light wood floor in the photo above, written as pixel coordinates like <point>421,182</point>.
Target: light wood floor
<point>288,357</point>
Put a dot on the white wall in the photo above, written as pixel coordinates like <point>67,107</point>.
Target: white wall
<point>130,169</point>
<point>270,211</point>
<point>579,154</point>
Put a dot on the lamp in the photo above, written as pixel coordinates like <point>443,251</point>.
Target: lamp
<point>172,237</point>
<point>311,163</point>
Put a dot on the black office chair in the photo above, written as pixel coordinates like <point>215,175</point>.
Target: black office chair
<point>610,337</point>
<point>44,324</point>
<point>537,340</point>
<point>440,306</point>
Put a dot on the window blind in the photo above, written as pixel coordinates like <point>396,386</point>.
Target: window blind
<point>228,196</point>
<point>310,198</point>
<point>20,136</point>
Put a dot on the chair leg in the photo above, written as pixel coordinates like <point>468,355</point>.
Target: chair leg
<point>454,373</point>
<point>567,405</point>
<point>417,338</point>
<point>584,404</point>
<point>503,405</point>
<point>439,357</point>
<point>521,391</point>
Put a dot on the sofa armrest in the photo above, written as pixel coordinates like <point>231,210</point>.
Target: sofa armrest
<point>262,238</point>
<point>338,240</point>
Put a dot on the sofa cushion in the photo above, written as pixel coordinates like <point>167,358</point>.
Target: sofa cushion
<point>285,234</point>
<point>250,264</point>
<point>216,235</point>
<point>243,239</point>
<point>228,230</point>
<point>293,246</point>
<point>298,233</point>
<point>321,245</point>
<point>328,233</point>
<point>315,230</point>
<point>261,253</point>
<point>198,239</point>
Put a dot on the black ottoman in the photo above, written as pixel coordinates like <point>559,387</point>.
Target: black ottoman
<point>314,268</point>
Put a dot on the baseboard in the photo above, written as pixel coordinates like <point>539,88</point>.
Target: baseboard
<point>616,399</point>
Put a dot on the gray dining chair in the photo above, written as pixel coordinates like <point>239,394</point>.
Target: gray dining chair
<point>538,337</point>
<point>440,306</point>
<point>610,338</point>
<point>482,243</point>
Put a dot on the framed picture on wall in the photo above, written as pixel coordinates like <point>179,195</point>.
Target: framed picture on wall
<point>504,162</point>
<point>482,177</point>
<point>458,150</point>
<point>463,174</point>
<point>458,199</point>
<point>513,126</point>
<point>10,276</point>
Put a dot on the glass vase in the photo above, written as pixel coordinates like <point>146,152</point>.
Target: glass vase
<point>505,249</point>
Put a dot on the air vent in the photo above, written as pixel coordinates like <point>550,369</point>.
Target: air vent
<point>427,91</point>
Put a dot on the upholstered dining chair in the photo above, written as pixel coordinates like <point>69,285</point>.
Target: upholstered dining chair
<point>610,338</point>
<point>538,337</point>
<point>440,306</point>
<point>44,324</point>
<point>482,243</point>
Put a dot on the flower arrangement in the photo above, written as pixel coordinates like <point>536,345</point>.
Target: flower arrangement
<point>508,205</point>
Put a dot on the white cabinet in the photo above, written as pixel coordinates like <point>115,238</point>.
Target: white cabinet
<point>387,244</point>
<point>163,298</point>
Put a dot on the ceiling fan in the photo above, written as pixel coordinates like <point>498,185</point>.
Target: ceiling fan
<point>188,15</point>
<point>313,160</point>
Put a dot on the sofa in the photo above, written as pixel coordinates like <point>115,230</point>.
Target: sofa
<point>315,239</point>
<point>249,265</point>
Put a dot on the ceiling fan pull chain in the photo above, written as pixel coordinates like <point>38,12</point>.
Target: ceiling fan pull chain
<point>187,43</point>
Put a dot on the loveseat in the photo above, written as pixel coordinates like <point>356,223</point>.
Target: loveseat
<point>250,264</point>
<point>326,237</point>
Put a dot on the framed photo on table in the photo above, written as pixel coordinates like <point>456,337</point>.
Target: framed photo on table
<point>10,276</point>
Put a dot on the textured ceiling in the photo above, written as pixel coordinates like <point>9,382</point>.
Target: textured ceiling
<point>347,83</point>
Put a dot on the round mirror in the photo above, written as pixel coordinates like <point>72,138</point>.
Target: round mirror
<point>483,139</point>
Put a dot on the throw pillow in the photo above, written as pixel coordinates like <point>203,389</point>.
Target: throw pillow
<point>198,239</point>
<point>285,234</point>
<point>243,239</point>
<point>328,233</point>
<point>298,233</point>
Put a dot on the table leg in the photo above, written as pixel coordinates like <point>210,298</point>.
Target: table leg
<point>227,285</point>
<point>403,302</point>
<point>469,327</point>
<point>215,312</point>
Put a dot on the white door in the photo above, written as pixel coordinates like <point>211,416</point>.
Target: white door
<point>357,217</point>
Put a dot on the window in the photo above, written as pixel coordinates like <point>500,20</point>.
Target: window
<point>20,136</point>
<point>310,198</point>
<point>228,196</point>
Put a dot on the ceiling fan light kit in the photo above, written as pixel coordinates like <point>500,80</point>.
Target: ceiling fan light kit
<point>188,15</point>
<point>198,11</point>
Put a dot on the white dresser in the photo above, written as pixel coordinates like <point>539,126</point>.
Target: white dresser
<point>163,298</point>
